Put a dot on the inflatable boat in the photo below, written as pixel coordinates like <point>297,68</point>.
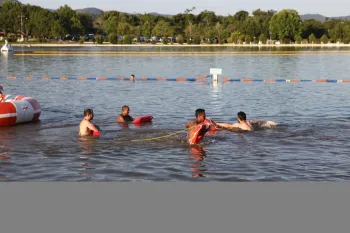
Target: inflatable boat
<point>18,109</point>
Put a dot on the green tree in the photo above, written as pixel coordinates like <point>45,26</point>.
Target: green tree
<point>86,21</point>
<point>99,39</point>
<point>324,39</point>
<point>165,40</point>
<point>113,38</point>
<point>123,28</point>
<point>208,18</point>
<point>262,21</point>
<point>196,39</point>
<point>333,28</point>
<point>313,26</point>
<point>56,29</point>
<point>38,23</point>
<point>146,29</point>
<point>110,25</point>
<point>127,39</point>
<point>312,38</point>
<point>190,19</point>
<point>218,29</point>
<point>286,24</point>
<point>241,16</point>
<point>180,39</point>
<point>250,27</point>
<point>65,15</point>
<point>235,37</point>
<point>238,21</point>
<point>262,38</point>
<point>136,31</point>
<point>9,20</point>
<point>76,27</point>
<point>247,39</point>
<point>163,28</point>
<point>298,39</point>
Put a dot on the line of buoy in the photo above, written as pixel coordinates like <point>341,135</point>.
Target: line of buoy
<point>249,80</point>
<point>179,79</point>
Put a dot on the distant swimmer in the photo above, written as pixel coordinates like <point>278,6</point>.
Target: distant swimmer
<point>124,116</point>
<point>198,127</point>
<point>86,127</point>
<point>132,78</point>
<point>244,124</point>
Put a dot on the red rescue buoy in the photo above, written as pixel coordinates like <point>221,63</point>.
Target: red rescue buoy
<point>142,119</point>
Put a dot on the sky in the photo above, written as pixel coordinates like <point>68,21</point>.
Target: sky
<point>220,7</point>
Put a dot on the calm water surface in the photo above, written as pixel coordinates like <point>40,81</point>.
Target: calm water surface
<point>311,141</point>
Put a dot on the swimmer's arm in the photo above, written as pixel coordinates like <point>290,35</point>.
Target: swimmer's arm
<point>92,127</point>
<point>214,123</point>
<point>224,125</point>
<point>257,122</point>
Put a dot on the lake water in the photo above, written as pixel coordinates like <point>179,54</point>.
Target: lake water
<point>310,143</point>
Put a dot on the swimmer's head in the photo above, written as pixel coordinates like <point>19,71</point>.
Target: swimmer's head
<point>200,115</point>
<point>132,77</point>
<point>241,116</point>
<point>89,113</point>
<point>125,110</point>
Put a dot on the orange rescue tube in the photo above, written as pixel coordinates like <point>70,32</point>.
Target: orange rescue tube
<point>200,131</point>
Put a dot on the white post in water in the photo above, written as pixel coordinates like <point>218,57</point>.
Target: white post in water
<point>214,72</point>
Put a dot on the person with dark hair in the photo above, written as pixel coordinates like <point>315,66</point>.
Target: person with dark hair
<point>245,124</point>
<point>198,127</point>
<point>132,78</point>
<point>86,127</point>
<point>124,116</point>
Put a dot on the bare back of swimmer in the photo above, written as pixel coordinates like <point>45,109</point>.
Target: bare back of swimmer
<point>86,127</point>
<point>197,128</point>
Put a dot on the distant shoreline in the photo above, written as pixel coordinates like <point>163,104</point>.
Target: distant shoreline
<point>173,45</point>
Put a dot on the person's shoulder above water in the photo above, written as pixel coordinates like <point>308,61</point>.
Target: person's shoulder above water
<point>242,123</point>
<point>191,123</point>
<point>86,127</point>
<point>124,116</point>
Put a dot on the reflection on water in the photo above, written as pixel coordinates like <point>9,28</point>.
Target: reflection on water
<point>254,62</point>
<point>198,166</point>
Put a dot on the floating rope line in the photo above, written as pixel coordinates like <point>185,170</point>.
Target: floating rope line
<point>159,137</point>
<point>180,79</point>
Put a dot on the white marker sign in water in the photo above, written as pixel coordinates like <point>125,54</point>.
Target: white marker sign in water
<point>214,72</point>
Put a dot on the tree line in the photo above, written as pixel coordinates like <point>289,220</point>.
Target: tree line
<point>206,27</point>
